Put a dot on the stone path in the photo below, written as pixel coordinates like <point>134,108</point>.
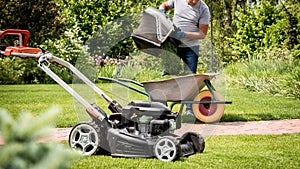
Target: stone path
<point>225,128</point>
<point>246,128</point>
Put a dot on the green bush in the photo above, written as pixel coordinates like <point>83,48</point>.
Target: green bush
<point>141,68</point>
<point>265,27</point>
<point>107,71</point>
<point>11,70</point>
<point>275,72</point>
<point>293,82</point>
<point>14,70</point>
<point>21,137</point>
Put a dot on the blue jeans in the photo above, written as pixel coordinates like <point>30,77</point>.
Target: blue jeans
<point>189,55</point>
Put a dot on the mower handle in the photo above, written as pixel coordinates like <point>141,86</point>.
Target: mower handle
<point>20,54</point>
<point>21,49</point>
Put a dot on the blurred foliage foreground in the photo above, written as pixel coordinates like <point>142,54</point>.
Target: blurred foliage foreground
<point>23,147</point>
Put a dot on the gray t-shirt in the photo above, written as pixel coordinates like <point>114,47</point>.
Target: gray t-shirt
<point>188,18</point>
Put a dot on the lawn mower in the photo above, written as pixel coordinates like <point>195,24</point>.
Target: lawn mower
<point>140,128</point>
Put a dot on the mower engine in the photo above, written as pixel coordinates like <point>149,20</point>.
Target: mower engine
<point>148,119</point>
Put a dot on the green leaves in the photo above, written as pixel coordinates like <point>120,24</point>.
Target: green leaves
<point>21,136</point>
<point>264,27</point>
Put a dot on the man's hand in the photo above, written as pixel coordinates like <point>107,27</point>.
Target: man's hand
<point>180,34</point>
<point>162,11</point>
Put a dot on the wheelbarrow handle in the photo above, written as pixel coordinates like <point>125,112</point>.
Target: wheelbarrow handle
<point>131,81</point>
<point>122,83</point>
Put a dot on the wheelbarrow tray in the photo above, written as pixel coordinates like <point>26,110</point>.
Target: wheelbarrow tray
<point>177,89</point>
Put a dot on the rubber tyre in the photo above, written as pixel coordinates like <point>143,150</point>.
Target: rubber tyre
<point>85,139</point>
<point>208,112</point>
<point>197,140</point>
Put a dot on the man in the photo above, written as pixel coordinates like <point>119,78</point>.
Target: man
<point>192,17</point>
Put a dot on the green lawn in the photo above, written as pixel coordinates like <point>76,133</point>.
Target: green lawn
<point>263,151</point>
<point>270,151</point>
<point>246,105</point>
<point>249,106</point>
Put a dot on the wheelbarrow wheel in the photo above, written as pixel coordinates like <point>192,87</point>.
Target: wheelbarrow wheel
<point>208,112</point>
<point>84,138</point>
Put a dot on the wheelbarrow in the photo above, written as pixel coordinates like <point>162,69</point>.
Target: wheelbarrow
<point>207,104</point>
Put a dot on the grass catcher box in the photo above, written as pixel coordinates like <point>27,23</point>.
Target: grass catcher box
<point>154,31</point>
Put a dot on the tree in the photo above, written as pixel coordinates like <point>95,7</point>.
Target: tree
<point>41,18</point>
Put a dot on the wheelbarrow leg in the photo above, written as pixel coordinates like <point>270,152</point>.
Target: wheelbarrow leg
<point>176,102</point>
<point>181,108</point>
<point>210,88</point>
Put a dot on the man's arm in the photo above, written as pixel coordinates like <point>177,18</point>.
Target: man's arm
<point>201,34</point>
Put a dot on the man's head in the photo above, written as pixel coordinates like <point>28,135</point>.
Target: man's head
<point>192,2</point>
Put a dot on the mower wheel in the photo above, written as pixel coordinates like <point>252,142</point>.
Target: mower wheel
<point>84,138</point>
<point>167,149</point>
<point>208,112</point>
